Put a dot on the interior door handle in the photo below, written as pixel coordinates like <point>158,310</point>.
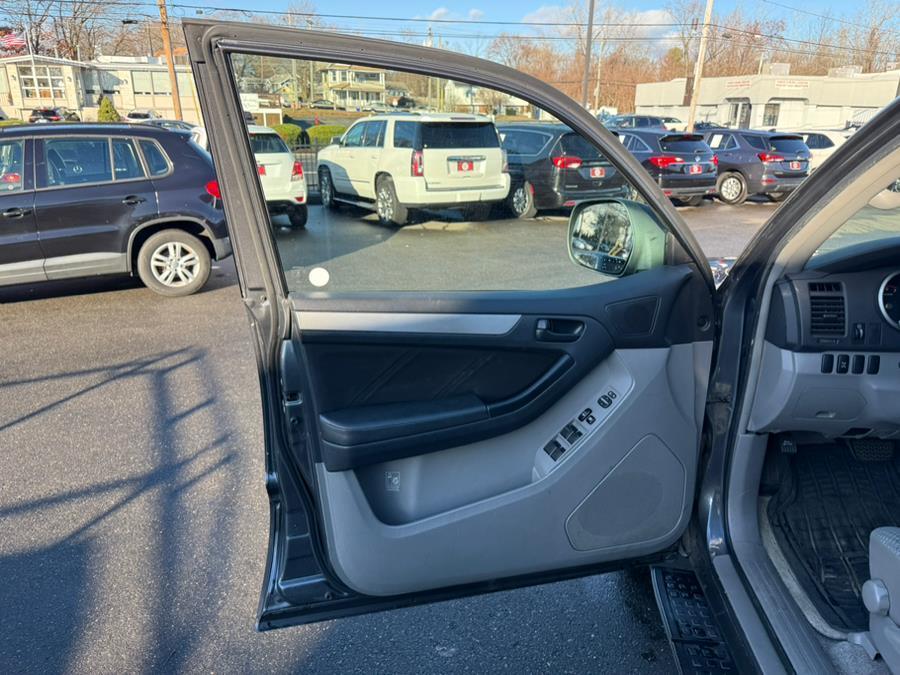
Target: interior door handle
<point>558,330</point>
<point>16,213</point>
<point>131,200</point>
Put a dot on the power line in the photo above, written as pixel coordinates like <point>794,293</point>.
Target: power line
<point>827,17</point>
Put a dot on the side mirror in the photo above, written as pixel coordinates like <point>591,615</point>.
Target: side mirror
<point>336,140</point>
<point>616,237</point>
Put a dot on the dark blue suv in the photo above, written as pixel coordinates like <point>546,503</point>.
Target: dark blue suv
<point>80,200</point>
<point>757,163</point>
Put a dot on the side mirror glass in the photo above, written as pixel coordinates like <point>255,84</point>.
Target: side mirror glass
<point>616,237</point>
<point>336,140</point>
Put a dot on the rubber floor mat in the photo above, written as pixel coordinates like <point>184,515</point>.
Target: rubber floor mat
<point>827,504</point>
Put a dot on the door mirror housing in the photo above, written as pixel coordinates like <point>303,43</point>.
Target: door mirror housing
<point>617,237</point>
<point>336,140</point>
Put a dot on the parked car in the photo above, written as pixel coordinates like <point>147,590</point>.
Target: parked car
<point>397,162</point>
<point>637,122</point>
<point>142,114</point>
<point>739,443</point>
<point>552,167</point>
<point>377,107</point>
<point>90,199</point>
<point>822,143</point>
<point>44,115</point>
<point>171,125</point>
<point>757,163</point>
<point>322,103</point>
<point>280,174</point>
<point>682,164</point>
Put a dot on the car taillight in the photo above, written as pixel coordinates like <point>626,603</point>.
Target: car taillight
<point>260,169</point>
<point>297,171</point>
<point>417,166</point>
<point>665,161</point>
<point>565,162</point>
<point>11,178</point>
<point>766,157</point>
<point>505,168</point>
<point>716,160</point>
<point>212,189</point>
<point>55,118</point>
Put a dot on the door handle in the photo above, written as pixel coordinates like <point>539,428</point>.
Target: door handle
<point>16,213</point>
<point>558,330</point>
<point>131,200</point>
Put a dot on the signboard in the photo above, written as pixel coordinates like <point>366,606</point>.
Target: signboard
<point>250,102</point>
<point>738,84</point>
<point>792,84</point>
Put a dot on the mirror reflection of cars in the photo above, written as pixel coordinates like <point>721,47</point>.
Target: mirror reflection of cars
<point>682,164</point>
<point>552,167</point>
<point>109,199</point>
<point>822,143</point>
<point>141,114</point>
<point>757,163</point>
<point>280,174</point>
<point>59,114</point>
<point>322,104</point>
<point>636,122</point>
<point>401,161</point>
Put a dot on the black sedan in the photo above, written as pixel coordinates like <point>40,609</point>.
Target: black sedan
<point>552,167</point>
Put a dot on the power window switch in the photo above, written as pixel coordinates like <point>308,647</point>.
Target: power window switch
<point>827,363</point>
<point>843,363</point>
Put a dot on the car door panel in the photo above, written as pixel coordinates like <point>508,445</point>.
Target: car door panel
<point>436,444</point>
<point>21,256</point>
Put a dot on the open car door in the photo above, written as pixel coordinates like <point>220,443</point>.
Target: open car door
<point>460,405</point>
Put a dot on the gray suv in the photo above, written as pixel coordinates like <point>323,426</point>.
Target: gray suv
<point>757,163</point>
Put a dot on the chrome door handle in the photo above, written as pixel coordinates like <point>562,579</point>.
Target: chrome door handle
<point>16,213</point>
<point>131,200</point>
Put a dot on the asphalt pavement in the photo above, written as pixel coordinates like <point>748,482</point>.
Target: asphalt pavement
<point>133,517</point>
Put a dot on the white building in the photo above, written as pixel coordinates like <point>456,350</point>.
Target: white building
<point>775,99</point>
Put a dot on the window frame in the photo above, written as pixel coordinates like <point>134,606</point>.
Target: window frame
<point>27,182</point>
<point>137,155</point>
<point>171,167</point>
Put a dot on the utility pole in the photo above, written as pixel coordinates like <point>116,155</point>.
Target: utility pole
<point>170,59</point>
<point>698,67</point>
<point>312,84</point>
<point>599,72</point>
<point>587,55</point>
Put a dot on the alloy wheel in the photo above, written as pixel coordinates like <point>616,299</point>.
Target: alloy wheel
<point>325,189</point>
<point>520,201</point>
<point>385,204</point>
<point>731,189</point>
<point>175,264</point>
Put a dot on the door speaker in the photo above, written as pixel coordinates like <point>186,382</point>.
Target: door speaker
<point>639,501</point>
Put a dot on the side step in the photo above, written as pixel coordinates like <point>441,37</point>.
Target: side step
<point>696,640</point>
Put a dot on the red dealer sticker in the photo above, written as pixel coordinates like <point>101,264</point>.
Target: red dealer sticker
<point>598,172</point>
<point>465,166</point>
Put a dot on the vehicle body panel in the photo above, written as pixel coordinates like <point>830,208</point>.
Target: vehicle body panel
<point>692,171</point>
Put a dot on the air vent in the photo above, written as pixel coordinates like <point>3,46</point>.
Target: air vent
<point>827,315</point>
<point>825,287</point>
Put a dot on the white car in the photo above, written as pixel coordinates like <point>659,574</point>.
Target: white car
<point>142,115</point>
<point>822,143</point>
<point>396,162</point>
<point>280,174</point>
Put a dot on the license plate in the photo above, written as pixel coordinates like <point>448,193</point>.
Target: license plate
<point>598,172</point>
<point>695,168</point>
<point>465,166</point>
<point>795,166</point>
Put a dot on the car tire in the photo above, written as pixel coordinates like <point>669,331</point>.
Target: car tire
<point>326,189</point>
<point>173,263</point>
<point>298,215</point>
<point>521,202</point>
<point>778,196</point>
<point>731,188</point>
<point>696,200</point>
<point>389,209</point>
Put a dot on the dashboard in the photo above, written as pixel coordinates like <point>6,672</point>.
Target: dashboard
<point>831,357</point>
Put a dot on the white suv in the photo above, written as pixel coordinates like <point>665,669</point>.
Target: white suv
<point>280,174</point>
<point>395,162</point>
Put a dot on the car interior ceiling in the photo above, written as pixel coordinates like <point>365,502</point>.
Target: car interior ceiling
<point>816,463</point>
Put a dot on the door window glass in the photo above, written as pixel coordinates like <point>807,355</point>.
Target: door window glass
<point>12,166</point>
<point>76,161</point>
<point>125,159</point>
<point>156,160</point>
<point>444,206</point>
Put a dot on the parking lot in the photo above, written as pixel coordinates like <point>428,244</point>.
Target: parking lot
<point>133,515</point>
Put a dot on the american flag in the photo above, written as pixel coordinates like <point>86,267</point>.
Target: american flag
<point>12,41</point>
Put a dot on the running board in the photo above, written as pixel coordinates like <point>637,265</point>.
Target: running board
<point>362,203</point>
<point>697,642</point>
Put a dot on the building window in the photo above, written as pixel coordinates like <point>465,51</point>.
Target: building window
<point>141,82</point>
<point>770,114</point>
<point>42,82</point>
<point>161,83</point>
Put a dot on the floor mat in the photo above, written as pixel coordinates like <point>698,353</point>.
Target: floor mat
<point>827,504</point>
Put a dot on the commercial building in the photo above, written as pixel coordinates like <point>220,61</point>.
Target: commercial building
<point>130,81</point>
<point>775,98</point>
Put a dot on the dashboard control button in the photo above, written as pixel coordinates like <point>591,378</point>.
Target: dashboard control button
<point>827,363</point>
<point>873,365</point>
<point>859,332</point>
<point>843,363</point>
<point>604,401</point>
<point>859,364</point>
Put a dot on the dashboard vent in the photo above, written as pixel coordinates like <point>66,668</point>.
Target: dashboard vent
<point>827,309</point>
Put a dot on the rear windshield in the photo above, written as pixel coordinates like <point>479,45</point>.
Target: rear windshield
<point>576,145</point>
<point>787,144</point>
<point>683,143</point>
<point>445,135</point>
<point>264,144</point>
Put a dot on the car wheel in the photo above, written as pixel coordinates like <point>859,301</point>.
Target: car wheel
<point>298,215</point>
<point>521,201</point>
<point>326,189</point>
<point>732,188</point>
<point>778,196</point>
<point>173,263</point>
<point>696,200</point>
<point>390,210</point>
